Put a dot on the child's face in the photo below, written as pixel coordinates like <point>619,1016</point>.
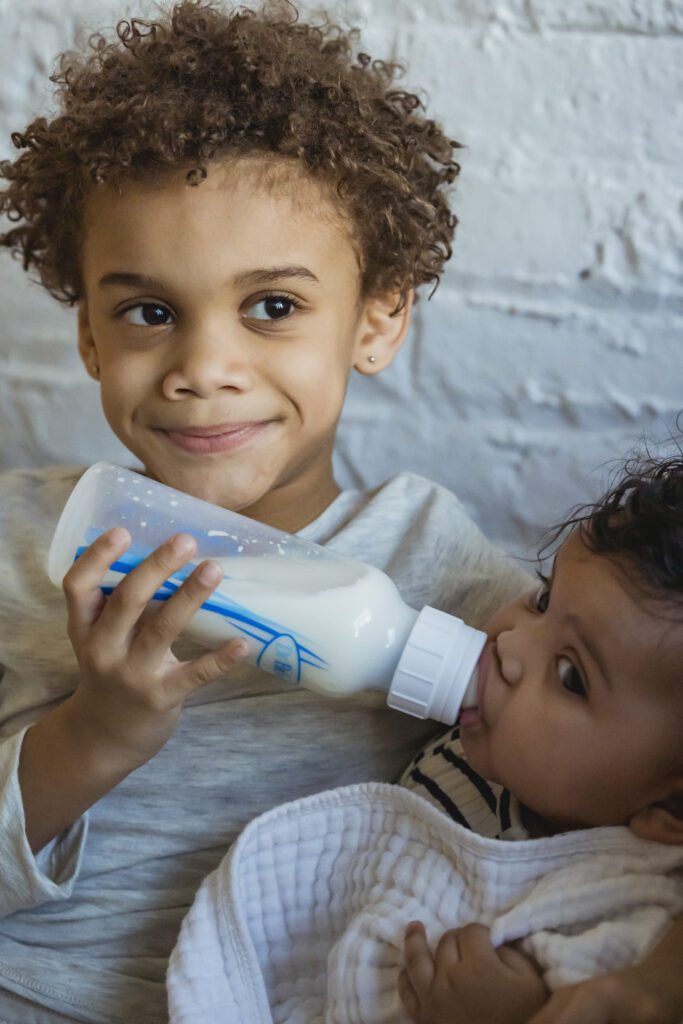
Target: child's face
<point>246,324</point>
<point>580,692</point>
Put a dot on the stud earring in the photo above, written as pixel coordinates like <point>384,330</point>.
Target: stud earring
<point>372,359</point>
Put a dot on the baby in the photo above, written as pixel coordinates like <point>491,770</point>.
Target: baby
<point>580,718</point>
<point>579,727</point>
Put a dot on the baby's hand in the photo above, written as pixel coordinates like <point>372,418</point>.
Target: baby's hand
<point>467,981</point>
<point>131,685</point>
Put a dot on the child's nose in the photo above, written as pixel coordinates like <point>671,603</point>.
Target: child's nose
<point>205,365</point>
<point>511,665</point>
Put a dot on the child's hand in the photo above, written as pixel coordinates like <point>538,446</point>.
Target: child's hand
<point>616,998</point>
<point>467,981</point>
<point>132,687</point>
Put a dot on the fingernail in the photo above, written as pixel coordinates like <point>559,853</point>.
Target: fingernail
<point>119,536</point>
<point>240,649</point>
<point>210,573</point>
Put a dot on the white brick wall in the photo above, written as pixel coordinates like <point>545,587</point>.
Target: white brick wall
<point>553,342</point>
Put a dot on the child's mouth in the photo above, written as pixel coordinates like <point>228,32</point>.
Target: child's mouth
<point>220,438</point>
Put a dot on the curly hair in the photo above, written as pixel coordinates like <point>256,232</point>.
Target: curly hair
<point>639,523</point>
<point>200,84</point>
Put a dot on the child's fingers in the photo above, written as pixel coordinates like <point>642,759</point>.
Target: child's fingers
<point>517,961</point>
<point>81,584</point>
<point>472,942</point>
<point>419,962</point>
<point>447,952</point>
<point>407,995</point>
<point>212,665</point>
<point>168,621</point>
<point>133,593</point>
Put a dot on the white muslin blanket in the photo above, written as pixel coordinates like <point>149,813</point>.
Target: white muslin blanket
<point>303,920</point>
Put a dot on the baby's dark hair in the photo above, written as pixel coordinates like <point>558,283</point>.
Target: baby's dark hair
<point>199,83</point>
<point>639,523</point>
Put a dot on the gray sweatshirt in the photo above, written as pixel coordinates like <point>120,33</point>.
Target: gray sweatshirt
<point>86,926</point>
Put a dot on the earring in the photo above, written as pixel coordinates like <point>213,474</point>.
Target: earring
<point>372,359</point>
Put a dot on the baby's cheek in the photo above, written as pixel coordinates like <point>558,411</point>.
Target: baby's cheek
<point>520,759</point>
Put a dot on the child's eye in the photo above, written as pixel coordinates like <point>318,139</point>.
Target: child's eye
<point>571,677</point>
<point>271,307</point>
<point>147,314</point>
<point>541,597</point>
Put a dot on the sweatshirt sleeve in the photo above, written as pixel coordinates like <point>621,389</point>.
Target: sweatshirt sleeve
<point>28,879</point>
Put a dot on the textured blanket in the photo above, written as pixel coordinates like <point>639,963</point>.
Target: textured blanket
<point>303,920</point>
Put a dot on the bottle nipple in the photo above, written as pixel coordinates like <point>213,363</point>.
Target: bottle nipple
<point>471,698</point>
<point>470,713</point>
<point>438,665</point>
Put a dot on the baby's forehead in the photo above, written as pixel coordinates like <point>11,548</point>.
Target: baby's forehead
<point>668,657</point>
<point>579,550</point>
<point>653,639</point>
<point>604,592</point>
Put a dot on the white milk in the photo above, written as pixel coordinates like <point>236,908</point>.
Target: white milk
<point>333,627</point>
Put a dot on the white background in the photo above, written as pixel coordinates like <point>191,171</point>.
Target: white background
<point>554,342</point>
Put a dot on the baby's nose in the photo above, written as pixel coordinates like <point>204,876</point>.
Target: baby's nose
<point>510,661</point>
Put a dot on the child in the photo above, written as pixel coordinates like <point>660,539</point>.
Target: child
<point>579,727</point>
<point>240,209</point>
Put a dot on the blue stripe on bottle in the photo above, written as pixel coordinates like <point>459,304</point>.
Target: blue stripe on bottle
<point>267,633</point>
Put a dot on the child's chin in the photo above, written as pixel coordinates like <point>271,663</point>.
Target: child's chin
<point>213,480</point>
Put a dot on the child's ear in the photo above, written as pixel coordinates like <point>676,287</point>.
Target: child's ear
<point>381,332</point>
<point>661,822</point>
<point>86,342</point>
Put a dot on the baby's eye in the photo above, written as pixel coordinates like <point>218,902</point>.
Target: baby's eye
<point>571,677</point>
<point>272,307</point>
<point>541,598</point>
<point>147,314</point>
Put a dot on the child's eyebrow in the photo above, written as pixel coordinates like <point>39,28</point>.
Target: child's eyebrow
<point>132,280</point>
<point>266,275</point>
<point>261,275</point>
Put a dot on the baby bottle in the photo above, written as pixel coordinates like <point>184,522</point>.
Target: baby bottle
<point>309,615</point>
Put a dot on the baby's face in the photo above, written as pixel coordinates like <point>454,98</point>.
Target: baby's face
<point>233,307</point>
<point>582,696</point>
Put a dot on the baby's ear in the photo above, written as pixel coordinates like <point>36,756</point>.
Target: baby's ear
<point>661,822</point>
<point>381,332</point>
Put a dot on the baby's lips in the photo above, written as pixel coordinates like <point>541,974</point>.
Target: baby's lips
<point>470,716</point>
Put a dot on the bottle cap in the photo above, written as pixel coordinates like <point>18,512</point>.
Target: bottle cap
<point>436,674</point>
